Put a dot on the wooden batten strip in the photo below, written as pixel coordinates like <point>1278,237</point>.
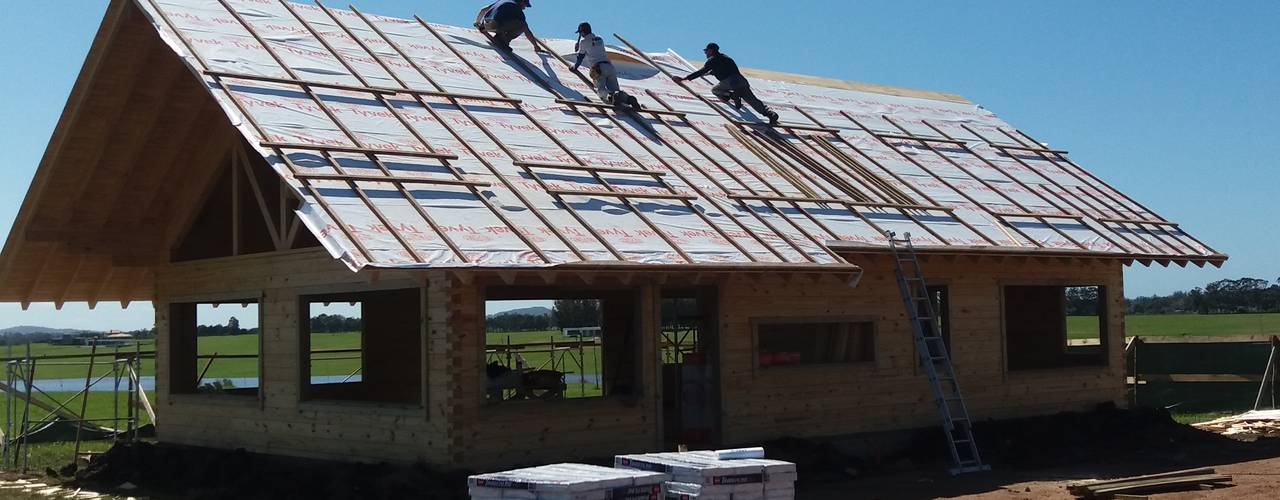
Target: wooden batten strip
<point>358,88</point>
<point>588,168</point>
<point>598,105</point>
<point>390,179</point>
<point>356,149</point>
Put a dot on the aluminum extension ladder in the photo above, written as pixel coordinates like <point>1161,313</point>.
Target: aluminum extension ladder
<point>932,350</point>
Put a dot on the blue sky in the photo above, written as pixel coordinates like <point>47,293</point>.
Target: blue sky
<point>1173,102</point>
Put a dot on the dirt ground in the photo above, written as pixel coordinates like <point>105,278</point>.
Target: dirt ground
<point>1252,478</point>
<point>1032,458</point>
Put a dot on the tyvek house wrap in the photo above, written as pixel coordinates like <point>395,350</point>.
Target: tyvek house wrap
<point>514,220</point>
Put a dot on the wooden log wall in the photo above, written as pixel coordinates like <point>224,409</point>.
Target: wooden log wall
<point>830,400</point>
<point>278,421</point>
<point>456,426</point>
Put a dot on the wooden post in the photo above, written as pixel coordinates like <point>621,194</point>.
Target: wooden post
<point>84,399</point>
<point>26,410</point>
<point>1269,376</point>
<point>205,370</point>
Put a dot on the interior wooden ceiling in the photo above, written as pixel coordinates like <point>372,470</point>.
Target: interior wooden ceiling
<point>137,145</point>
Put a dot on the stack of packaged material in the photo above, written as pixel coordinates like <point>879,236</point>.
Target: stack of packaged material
<point>568,482</point>
<point>711,475</point>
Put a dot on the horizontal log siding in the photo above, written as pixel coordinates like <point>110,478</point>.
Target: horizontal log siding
<point>278,422</point>
<point>890,393</point>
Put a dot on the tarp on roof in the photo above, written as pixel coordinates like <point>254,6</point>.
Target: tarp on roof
<point>361,115</point>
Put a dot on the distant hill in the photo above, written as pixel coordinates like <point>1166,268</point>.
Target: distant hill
<point>38,330</point>
<point>527,311</point>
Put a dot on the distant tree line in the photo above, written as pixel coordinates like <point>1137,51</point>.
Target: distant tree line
<point>570,313</point>
<point>516,322</point>
<point>1082,301</point>
<point>231,328</point>
<point>35,338</point>
<point>335,323</point>
<point>1245,295</point>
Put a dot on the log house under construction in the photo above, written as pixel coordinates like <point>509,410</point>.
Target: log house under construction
<point>290,157</point>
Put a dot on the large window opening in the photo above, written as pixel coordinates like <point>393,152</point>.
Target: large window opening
<point>541,346</point>
<point>1055,326</point>
<point>788,343</point>
<point>363,346</point>
<point>214,347</point>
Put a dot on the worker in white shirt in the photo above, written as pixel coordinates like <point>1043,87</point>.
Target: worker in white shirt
<point>592,54</point>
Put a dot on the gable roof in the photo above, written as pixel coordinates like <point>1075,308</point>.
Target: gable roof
<point>418,145</point>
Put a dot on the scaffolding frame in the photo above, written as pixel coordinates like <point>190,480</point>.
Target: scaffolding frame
<point>22,392</point>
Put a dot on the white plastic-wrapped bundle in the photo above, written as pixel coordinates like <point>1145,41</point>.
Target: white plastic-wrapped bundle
<point>702,475</point>
<point>567,482</point>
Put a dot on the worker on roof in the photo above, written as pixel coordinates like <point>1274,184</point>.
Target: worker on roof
<point>591,52</point>
<point>505,18</point>
<point>733,87</point>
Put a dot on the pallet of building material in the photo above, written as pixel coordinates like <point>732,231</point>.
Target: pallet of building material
<point>1167,481</point>
<point>1248,426</point>
<point>567,482</point>
<point>703,475</point>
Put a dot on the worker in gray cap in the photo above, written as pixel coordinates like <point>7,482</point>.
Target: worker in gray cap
<point>505,18</point>
<point>592,54</point>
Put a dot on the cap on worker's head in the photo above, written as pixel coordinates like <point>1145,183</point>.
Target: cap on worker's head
<point>713,46</point>
<point>584,28</point>
<point>526,3</point>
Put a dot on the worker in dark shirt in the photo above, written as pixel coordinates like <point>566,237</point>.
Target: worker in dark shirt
<point>733,87</point>
<point>505,18</point>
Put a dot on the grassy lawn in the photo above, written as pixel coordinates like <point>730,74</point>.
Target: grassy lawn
<point>1182,325</point>
<point>1189,418</point>
<point>56,455</point>
<point>102,405</point>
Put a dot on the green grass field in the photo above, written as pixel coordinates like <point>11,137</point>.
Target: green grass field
<point>1182,325</point>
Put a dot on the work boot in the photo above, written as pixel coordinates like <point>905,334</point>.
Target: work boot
<point>633,103</point>
<point>501,44</point>
<point>773,117</point>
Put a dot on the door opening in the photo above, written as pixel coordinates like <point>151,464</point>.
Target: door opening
<point>690,368</point>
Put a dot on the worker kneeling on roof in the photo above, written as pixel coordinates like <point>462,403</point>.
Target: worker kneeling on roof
<point>592,54</point>
<point>505,18</point>
<point>733,87</point>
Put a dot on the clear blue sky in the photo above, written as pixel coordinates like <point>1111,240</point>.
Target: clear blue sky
<point>1177,103</point>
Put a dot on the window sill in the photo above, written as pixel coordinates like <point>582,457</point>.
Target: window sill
<point>861,366</point>
<point>236,400</point>
<point>362,407</point>
<point>568,404</point>
<point>1059,371</point>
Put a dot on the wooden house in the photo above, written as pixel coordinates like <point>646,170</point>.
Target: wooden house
<point>289,159</point>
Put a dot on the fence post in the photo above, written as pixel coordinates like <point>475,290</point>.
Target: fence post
<point>1131,352</point>
<point>1268,375</point>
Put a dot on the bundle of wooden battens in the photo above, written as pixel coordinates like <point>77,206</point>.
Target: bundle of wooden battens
<point>1168,481</point>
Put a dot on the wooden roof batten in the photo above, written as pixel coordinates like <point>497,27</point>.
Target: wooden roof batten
<point>91,247</point>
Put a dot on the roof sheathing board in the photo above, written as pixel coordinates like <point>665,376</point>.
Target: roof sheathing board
<point>510,177</point>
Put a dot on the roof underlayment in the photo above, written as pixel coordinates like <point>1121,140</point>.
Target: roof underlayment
<point>419,145</point>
